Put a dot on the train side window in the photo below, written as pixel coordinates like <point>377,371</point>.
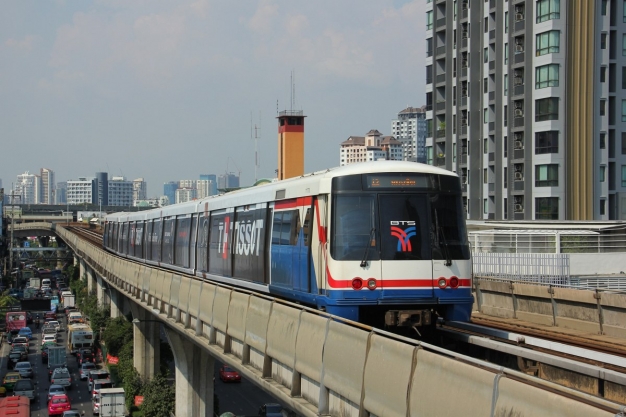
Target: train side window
<point>306,227</point>
<point>276,227</point>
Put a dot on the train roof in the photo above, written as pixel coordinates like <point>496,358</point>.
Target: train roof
<point>307,184</point>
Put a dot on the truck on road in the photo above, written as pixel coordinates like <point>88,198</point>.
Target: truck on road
<point>112,402</point>
<point>35,283</point>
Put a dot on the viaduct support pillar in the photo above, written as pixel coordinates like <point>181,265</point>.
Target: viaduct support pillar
<point>91,279</point>
<point>194,377</point>
<point>147,343</point>
<point>102,292</point>
<point>117,303</point>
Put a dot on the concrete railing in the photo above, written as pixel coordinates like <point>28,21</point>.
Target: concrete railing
<point>600,312</point>
<point>316,364</point>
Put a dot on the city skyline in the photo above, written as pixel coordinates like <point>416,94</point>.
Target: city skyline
<point>167,90</point>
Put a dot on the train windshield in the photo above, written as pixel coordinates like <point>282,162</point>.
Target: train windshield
<point>393,224</point>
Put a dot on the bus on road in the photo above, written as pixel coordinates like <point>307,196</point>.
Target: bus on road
<point>15,320</point>
<point>79,336</point>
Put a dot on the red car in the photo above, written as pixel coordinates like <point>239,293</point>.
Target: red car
<point>228,374</point>
<point>58,404</point>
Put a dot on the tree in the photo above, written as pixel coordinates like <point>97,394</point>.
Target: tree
<point>118,333</point>
<point>158,397</point>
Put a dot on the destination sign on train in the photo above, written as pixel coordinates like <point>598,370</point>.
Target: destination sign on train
<point>397,181</point>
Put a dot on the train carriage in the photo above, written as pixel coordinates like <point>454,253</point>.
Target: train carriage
<point>382,243</point>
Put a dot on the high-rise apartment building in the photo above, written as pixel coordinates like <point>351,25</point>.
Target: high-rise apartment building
<point>185,194</point>
<point>523,99</point>
<point>410,130</point>
<point>47,186</point>
<point>371,147</point>
<point>120,192</point>
<point>140,190</point>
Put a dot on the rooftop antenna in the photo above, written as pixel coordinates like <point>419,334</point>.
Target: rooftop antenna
<point>293,89</point>
<point>257,135</point>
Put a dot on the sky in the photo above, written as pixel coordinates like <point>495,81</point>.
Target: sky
<point>168,90</point>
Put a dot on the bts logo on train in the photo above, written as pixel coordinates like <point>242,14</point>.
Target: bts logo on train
<point>403,235</point>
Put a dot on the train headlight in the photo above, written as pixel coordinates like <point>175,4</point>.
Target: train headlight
<point>357,283</point>
<point>442,283</point>
<point>454,282</point>
<point>371,284</point>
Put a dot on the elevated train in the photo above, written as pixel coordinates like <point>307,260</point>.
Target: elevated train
<point>382,243</point>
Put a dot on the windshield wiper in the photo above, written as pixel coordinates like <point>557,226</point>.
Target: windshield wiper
<point>367,248</point>
<point>446,250</point>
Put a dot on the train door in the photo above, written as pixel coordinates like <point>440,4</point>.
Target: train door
<point>406,257</point>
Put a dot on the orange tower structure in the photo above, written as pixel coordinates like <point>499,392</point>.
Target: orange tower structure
<point>290,144</point>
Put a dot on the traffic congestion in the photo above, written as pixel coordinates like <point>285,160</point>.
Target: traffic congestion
<point>48,364</point>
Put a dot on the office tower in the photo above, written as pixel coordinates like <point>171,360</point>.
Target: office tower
<point>226,181</point>
<point>169,190</point>
<point>120,192</point>
<point>102,186</point>
<point>213,185</point>
<point>82,190</point>
<point>523,100</point>
<point>27,188</point>
<point>60,193</point>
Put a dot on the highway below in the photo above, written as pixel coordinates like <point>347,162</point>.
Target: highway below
<point>241,398</point>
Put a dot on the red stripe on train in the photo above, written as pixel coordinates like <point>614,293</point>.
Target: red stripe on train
<point>293,203</point>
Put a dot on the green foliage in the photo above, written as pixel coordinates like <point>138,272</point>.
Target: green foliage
<point>118,333</point>
<point>159,397</point>
<point>128,374</point>
<point>167,357</point>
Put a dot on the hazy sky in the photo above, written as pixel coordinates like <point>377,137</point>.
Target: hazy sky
<point>168,90</point>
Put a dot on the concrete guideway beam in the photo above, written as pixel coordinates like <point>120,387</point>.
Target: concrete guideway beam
<point>194,376</point>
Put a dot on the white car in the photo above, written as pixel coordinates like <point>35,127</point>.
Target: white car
<point>55,324</point>
<point>24,368</point>
<point>56,390</point>
<point>61,376</point>
<point>48,338</point>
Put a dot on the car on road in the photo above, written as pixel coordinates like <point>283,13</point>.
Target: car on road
<point>58,404</point>
<point>55,324</point>
<point>56,390</point>
<point>13,358</point>
<point>50,315</point>
<point>24,368</point>
<point>95,405</point>
<point>84,355</point>
<point>49,338</point>
<point>52,368</point>
<point>98,384</point>
<point>24,387</point>
<point>21,349</point>
<point>86,368</point>
<point>26,332</point>
<point>20,341</point>
<point>95,375</point>
<point>61,376</point>
<point>271,410</point>
<point>228,374</point>
<point>71,413</point>
<point>10,379</point>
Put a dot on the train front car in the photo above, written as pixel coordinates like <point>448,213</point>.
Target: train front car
<point>398,253</point>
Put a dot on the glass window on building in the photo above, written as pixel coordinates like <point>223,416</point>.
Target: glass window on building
<point>602,207</point>
<point>506,85</point>
<point>547,175</point>
<point>623,175</point>
<point>548,10</point>
<point>429,20</point>
<point>604,7</point>
<point>548,109</point>
<point>547,208</point>
<point>623,110</point>
<point>547,76</point>
<point>624,44</point>
<point>485,206</point>
<point>429,155</point>
<point>623,143</point>
<point>602,173</point>
<point>547,142</point>
<point>548,42</point>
